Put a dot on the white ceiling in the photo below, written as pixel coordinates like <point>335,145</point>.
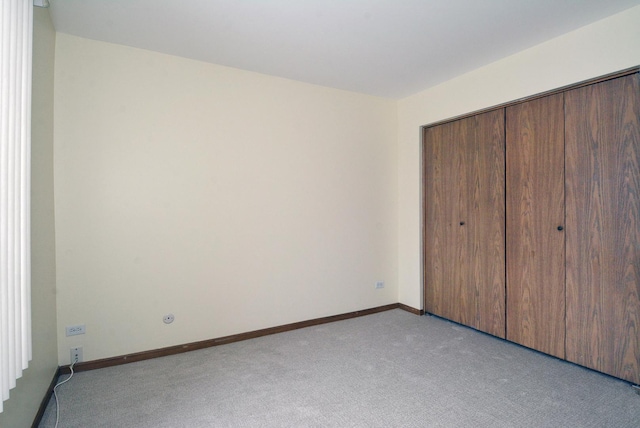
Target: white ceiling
<point>389,48</point>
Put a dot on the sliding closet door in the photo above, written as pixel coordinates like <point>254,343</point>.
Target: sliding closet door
<point>464,221</point>
<point>603,226</point>
<point>444,243</point>
<point>535,223</point>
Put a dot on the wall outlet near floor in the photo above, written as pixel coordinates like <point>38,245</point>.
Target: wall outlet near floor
<point>76,354</point>
<point>379,284</point>
<point>73,330</point>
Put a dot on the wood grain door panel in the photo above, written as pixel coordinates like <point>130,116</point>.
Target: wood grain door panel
<point>445,247</point>
<point>464,221</point>
<point>603,226</point>
<point>535,210</point>
<point>486,226</point>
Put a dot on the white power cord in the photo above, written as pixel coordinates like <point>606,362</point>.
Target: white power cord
<point>55,394</point>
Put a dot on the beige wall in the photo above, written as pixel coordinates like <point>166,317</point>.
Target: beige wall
<point>603,47</point>
<point>234,200</point>
<point>22,406</point>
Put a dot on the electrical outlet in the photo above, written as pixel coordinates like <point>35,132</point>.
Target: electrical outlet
<point>380,284</point>
<point>73,330</point>
<point>76,354</point>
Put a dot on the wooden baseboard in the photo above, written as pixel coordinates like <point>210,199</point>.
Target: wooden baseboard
<point>407,308</point>
<point>178,349</point>
<point>45,400</point>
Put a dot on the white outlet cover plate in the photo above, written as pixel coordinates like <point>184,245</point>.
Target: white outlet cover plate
<point>73,330</point>
<point>77,350</point>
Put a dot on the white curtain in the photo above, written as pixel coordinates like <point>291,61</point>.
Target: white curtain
<point>16,23</point>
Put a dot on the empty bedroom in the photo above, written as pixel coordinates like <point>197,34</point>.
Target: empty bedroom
<point>320,213</point>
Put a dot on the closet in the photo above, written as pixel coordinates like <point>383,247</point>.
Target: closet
<point>532,223</point>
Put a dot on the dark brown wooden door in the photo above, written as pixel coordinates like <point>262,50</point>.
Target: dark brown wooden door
<point>464,221</point>
<point>603,226</point>
<point>535,212</point>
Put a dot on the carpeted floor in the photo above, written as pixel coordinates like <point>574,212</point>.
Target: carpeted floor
<point>391,369</point>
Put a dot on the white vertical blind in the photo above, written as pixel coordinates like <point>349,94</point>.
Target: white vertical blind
<point>16,27</point>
